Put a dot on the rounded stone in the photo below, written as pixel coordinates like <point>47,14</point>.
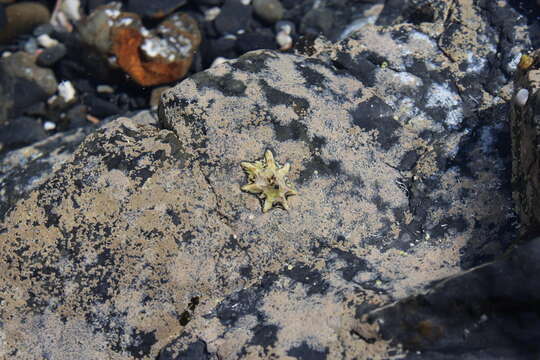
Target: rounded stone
<point>22,18</point>
<point>268,10</point>
<point>51,55</point>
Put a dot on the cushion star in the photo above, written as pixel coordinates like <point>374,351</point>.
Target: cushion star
<point>267,179</point>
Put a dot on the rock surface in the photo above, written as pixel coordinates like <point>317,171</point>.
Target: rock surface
<point>486,313</point>
<point>24,169</point>
<point>144,246</point>
<point>525,118</point>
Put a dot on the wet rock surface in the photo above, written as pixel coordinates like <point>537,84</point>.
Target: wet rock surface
<point>142,245</point>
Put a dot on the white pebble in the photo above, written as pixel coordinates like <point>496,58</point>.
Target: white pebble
<point>46,41</point>
<point>245,2</point>
<point>71,9</point>
<point>49,125</point>
<point>521,97</point>
<point>211,13</point>
<point>104,89</point>
<point>66,91</point>
<point>284,40</point>
<point>5,54</point>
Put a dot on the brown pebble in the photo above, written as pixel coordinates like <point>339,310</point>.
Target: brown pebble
<point>92,119</point>
<point>22,18</point>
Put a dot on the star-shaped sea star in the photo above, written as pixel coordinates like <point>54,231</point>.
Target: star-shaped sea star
<point>267,180</point>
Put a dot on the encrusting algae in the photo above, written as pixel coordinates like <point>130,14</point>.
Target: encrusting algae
<point>267,179</point>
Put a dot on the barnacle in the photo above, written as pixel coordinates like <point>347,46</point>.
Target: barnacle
<point>267,180</point>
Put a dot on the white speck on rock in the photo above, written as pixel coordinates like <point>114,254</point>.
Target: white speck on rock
<point>475,63</point>
<point>440,96</point>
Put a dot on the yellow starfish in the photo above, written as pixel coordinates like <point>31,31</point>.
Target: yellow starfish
<point>267,179</point>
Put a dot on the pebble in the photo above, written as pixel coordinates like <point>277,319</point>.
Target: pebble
<point>22,65</point>
<point>49,125</point>
<point>31,45</point>
<point>99,107</point>
<point>46,41</point>
<point>285,26</point>
<point>45,29</point>
<point>66,91</point>
<point>21,18</point>
<point>522,96</point>
<point>104,89</point>
<point>71,8</point>
<point>76,116</point>
<point>233,17</point>
<point>20,132</point>
<point>212,13</point>
<point>255,41</point>
<point>155,8</point>
<point>50,56</point>
<point>268,10</point>
<point>284,40</point>
<point>317,21</point>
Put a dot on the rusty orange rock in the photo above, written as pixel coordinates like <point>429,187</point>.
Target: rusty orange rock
<point>160,57</point>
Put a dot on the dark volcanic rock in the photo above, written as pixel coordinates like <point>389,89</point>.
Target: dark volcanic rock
<point>490,312</point>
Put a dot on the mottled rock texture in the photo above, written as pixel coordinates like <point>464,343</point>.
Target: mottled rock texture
<point>143,245</point>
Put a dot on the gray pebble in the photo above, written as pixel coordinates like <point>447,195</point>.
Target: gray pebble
<point>268,10</point>
<point>51,55</point>
<point>45,29</point>
<point>286,26</point>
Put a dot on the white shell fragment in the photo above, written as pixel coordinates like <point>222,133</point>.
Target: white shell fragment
<point>66,91</point>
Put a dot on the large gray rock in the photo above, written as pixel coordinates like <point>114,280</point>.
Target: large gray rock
<point>144,246</point>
